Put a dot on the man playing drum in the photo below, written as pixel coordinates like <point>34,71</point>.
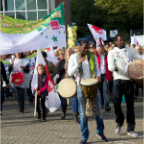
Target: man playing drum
<point>118,61</point>
<point>80,66</point>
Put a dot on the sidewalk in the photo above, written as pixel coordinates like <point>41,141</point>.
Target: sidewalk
<point>23,128</point>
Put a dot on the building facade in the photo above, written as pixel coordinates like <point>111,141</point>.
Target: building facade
<point>27,9</point>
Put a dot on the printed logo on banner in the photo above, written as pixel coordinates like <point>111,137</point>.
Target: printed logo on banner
<point>54,25</point>
<point>48,49</point>
<point>97,29</point>
<point>31,63</point>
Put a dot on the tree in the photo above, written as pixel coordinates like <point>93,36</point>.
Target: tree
<point>85,11</point>
<point>132,7</point>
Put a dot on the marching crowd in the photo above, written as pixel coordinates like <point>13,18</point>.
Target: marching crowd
<point>77,64</point>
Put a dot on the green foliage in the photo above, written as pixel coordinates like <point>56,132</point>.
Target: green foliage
<point>132,7</point>
<point>85,11</point>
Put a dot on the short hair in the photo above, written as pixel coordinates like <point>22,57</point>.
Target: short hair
<point>140,48</point>
<point>44,54</point>
<point>70,49</point>
<point>133,46</point>
<point>107,43</point>
<point>91,43</point>
<point>22,55</point>
<point>101,46</point>
<point>118,35</point>
<point>137,47</point>
<point>55,51</point>
<point>83,41</point>
<point>61,52</point>
<point>111,47</point>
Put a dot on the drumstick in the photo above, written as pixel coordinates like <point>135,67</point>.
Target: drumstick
<point>35,103</point>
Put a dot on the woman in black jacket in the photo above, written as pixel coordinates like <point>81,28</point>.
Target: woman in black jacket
<point>61,71</point>
<point>3,78</point>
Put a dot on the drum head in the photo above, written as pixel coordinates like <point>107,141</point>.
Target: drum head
<point>89,82</point>
<point>136,69</point>
<point>67,88</point>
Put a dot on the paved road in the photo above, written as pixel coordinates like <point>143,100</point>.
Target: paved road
<point>23,128</point>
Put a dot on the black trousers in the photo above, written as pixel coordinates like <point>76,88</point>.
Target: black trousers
<point>42,105</point>
<point>2,97</point>
<point>124,87</point>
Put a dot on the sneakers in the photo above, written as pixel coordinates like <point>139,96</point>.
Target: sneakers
<point>83,141</point>
<point>102,137</point>
<point>118,129</point>
<point>43,120</point>
<point>132,134</point>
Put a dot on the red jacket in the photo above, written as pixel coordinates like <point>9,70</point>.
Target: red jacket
<point>108,73</point>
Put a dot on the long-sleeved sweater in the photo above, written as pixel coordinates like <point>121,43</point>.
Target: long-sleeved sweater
<point>115,59</point>
<point>73,68</point>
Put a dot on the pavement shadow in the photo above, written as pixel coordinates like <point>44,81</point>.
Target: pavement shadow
<point>124,140</point>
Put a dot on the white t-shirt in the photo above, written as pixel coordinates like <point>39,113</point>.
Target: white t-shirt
<point>73,68</point>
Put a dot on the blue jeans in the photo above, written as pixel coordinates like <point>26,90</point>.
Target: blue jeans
<point>2,97</point>
<point>63,103</point>
<point>103,87</point>
<point>83,117</point>
<point>74,104</point>
<point>7,93</point>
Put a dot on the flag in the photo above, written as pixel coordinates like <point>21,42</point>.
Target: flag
<point>50,55</point>
<point>98,41</point>
<point>97,32</point>
<point>21,35</point>
<point>52,101</point>
<point>134,40</point>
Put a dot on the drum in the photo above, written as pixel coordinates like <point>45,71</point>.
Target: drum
<point>89,88</point>
<point>136,72</point>
<point>67,88</point>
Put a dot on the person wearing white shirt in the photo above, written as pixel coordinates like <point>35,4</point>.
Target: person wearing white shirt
<point>118,60</point>
<point>75,67</point>
<point>106,75</point>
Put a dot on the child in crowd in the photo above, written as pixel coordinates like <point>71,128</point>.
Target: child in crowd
<point>41,90</point>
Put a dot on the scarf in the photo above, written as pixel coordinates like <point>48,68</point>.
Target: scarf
<point>125,57</point>
<point>92,63</point>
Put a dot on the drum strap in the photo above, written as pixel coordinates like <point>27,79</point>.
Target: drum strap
<point>125,57</point>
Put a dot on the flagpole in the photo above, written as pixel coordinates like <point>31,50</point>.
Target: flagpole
<point>35,103</point>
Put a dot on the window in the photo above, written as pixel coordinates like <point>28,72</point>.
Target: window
<point>27,9</point>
